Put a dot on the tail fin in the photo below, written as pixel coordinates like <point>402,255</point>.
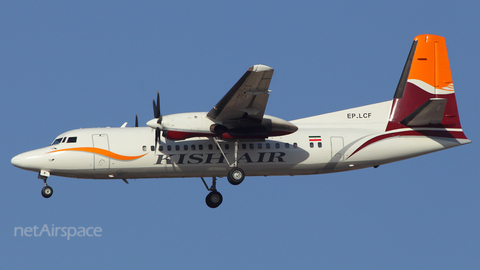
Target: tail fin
<point>425,96</point>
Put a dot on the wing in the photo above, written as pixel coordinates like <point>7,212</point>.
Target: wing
<point>248,97</point>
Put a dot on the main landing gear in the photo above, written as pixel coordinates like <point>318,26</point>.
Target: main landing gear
<point>236,175</point>
<point>47,191</point>
<point>214,198</point>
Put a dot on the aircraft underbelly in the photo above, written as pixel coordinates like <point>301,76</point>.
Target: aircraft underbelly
<point>402,147</point>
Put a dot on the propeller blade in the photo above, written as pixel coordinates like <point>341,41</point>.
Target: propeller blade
<point>136,120</point>
<point>157,137</point>
<point>159,114</point>
<point>156,109</point>
<point>155,115</point>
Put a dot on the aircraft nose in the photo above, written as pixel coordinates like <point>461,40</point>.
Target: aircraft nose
<point>31,160</point>
<point>17,160</point>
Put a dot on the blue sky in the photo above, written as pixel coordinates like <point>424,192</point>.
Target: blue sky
<point>67,65</point>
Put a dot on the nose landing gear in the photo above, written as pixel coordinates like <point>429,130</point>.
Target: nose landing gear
<point>47,190</point>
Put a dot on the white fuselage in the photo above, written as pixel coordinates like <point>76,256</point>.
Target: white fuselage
<point>333,142</point>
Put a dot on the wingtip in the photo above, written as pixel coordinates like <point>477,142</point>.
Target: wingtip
<point>260,68</point>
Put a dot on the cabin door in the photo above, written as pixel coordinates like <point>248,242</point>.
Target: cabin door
<point>100,162</point>
<point>336,146</point>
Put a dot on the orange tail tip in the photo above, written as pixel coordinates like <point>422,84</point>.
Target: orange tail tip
<point>430,65</point>
<point>427,66</point>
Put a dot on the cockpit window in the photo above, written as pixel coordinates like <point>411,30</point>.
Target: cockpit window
<point>57,141</point>
<point>72,140</point>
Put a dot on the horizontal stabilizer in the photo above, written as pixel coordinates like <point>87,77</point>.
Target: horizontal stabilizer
<point>429,113</point>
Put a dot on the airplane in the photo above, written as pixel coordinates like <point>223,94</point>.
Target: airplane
<point>236,139</point>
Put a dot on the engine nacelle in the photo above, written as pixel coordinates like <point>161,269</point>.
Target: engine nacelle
<point>187,125</point>
<point>218,129</point>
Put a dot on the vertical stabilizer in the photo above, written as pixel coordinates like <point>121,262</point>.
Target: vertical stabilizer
<point>425,96</point>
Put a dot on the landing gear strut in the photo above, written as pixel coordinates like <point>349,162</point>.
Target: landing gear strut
<point>47,190</point>
<point>214,198</point>
<point>236,175</point>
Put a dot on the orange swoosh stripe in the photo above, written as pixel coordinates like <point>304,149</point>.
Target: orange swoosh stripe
<point>100,151</point>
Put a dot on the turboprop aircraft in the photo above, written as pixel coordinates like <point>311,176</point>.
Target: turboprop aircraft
<point>236,139</point>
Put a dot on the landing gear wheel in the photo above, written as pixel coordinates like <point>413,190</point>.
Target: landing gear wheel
<point>214,199</point>
<point>235,176</point>
<point>47,191</point>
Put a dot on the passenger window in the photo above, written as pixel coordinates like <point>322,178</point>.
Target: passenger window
<point>210,147</point>
<point>177,147</point>
<point>311,145</point>
<point>159,149</point>
<point>185,147</point>
<point>227,146</point>
<point>295,145</point>
<point>72,140</point>
<point>169,148</point>
<point>200,147</point>
<point>244,146</point>
<point>252,146</point>
<point>267,145</point>
<point>144,148</point>
<point>287,145</point>
<point>193,147</point>
<point>277,145</point>
<point>152,148</point>
<point>259,145</point>
<point>319,145</point>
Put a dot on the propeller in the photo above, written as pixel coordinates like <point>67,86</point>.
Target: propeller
<point>158,115</point>
<point>156,109</point>
<point>157,137</point>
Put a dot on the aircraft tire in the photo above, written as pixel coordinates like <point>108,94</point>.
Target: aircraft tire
<point>47,191</point>
<point>214,199</point>
<point>235,176</point>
